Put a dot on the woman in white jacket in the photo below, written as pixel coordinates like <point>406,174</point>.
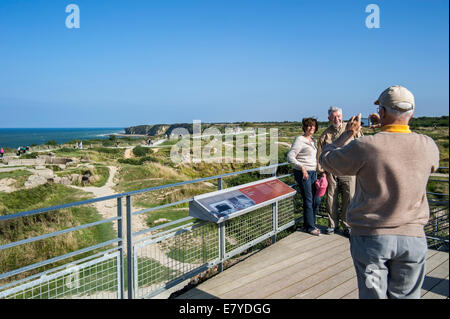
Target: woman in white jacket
<point>303,154</point>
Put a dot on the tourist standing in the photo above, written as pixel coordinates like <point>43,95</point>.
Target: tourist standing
<point>344,185</point>
<point>303,154</point>
<point>390,209</point>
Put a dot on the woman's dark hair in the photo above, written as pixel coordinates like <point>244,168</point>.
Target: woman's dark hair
<point>310,121</point>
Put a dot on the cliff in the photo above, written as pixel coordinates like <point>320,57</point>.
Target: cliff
<point>158,129</point>
<point>150,130</point>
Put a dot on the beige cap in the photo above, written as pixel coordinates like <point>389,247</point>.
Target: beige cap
<point>396,97</point>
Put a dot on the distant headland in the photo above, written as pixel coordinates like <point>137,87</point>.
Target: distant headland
<point>166,129</point>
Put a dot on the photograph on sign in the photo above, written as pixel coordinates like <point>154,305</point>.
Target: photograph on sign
<point>227,203</point>
<point>223,208</point>
<point>241,201</point>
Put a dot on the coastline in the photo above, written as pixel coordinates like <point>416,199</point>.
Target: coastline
<point>15,137</point>
<point>130,135</point>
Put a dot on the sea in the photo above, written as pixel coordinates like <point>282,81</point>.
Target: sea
<point>15,137</point>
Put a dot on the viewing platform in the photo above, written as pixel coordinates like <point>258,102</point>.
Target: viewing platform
<point>301,266</point>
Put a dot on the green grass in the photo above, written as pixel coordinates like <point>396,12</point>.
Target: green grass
<point>69,152</point>
<point>42,196</point>
<point>15,173</point>
<point>89,281</point>
<point>198,254</point>
<point>45,196</point>
<point>166,214</point>
<point>101,171</point>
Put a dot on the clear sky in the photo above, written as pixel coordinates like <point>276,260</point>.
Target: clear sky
<point>137,62</point>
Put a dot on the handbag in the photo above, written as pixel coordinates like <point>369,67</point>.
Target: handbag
<point>321,185</point>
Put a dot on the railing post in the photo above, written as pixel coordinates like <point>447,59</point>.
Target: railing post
<point>275,221</point>
<point>275,214</point>
<point>436,224</point>
<point>219,183</point>
<point>129,250</point>
<point>221,229</point>
<point>121,247</point>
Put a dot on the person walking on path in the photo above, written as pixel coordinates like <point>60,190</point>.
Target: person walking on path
<point>345,185</point>
<point>303,154</point>
<point>390,209</point>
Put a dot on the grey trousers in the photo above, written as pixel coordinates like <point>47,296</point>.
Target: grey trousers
<point>389,266</point>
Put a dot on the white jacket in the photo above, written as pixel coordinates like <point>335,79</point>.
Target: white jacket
<point>303,153</point>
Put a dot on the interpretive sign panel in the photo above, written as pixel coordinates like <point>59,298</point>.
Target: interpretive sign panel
<point>224,204</point>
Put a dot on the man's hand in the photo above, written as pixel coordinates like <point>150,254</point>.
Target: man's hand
<point>375,119</point>
<point>354,124</point>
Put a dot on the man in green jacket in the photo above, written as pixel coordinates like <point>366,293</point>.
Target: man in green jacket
<point>344,185</point>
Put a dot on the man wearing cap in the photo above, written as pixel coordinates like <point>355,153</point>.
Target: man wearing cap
<point>389,209</point>
<point>345,185</point>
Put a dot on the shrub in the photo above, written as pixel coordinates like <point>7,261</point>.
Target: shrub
<point>131,161</point>
<point>51,143</point>
<point>140,151</point>
<point>30,155</point>
<point>138,161</point>
<point>108,143</point>
<point>243,179</point>
<point>66,150</point>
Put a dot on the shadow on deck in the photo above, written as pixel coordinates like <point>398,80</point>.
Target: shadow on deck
<point>302,266</point>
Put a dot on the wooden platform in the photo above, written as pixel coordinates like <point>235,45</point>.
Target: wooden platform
<point>302,266</point>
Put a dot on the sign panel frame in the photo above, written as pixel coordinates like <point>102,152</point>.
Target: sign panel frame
<point>225,204</point>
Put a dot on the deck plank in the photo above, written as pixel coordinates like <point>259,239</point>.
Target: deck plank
<point>268,280</point>
<point>336,279</point>
<point>440,291</point>
<point>258,266</point>
<point>436,282</point>
<point>341,290</point>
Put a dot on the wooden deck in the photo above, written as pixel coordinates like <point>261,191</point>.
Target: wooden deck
<point>302,266</point>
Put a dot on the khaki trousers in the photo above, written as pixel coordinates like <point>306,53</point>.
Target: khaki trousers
<point>336,184</point>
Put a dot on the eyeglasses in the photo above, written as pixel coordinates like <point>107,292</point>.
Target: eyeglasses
<point>379,108</point>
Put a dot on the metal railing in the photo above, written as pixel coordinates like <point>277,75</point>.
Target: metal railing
<point>142,263</point>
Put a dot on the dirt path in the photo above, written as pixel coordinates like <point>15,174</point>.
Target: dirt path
<point>108,209</point>
<point>128,152</point>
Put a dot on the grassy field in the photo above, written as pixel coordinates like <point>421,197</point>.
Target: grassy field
<point>22,228</point>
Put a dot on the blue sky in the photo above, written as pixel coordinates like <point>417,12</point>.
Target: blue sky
<point>137,62</point>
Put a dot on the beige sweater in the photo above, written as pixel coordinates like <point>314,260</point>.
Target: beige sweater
<point>392,171</point>
<point>303,153</point>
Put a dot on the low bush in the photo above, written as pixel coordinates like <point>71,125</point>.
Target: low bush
<point>140,151</point>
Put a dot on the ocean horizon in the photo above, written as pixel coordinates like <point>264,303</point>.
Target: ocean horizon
<point>15,137</point>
